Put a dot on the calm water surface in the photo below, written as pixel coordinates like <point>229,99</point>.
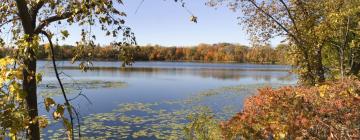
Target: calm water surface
<point>153,84</point>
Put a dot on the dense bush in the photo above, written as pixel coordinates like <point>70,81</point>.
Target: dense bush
<point>327,111</point>
<point>202,126</point>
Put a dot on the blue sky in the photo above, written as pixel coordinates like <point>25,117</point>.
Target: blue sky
<point>166,23</point>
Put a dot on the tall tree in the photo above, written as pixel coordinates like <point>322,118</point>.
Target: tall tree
<point>297,20</point>
<point>28,20</point>
<point>310,27</point>
<point>340,28</point>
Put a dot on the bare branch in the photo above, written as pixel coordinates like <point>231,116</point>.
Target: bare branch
<point>8,21</point>
<point>68,105</point>
<point>77,114</point>
<point>138,7</point>
<point>83,95</point>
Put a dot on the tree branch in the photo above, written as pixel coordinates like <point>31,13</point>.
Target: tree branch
<point>78,121</point>
<point>269,16</point>
<point>67,103</point>
<point>11,20</point>
<point>290,15</point>
<point>83,95</point>
<point>298,42</point>
<point>51,19</point>
<point>35,10</point>
<point>346,32</point>
<point>25,16</point>
<point>276,21</point>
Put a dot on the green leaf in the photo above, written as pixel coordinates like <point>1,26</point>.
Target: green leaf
<point>38,78</point>
<point>64,33</point>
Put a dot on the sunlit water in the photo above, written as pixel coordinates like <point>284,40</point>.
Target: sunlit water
<point>149,99</point>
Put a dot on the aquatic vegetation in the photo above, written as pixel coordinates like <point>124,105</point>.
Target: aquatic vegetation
<point>50,89</point>
<point>162,120</point>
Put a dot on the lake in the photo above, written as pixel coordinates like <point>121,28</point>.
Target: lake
<point>151,100</point>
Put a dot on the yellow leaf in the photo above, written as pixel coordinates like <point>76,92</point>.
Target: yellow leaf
<point>43,122</point>
<point>12,134</point>
<point>68,127</point>
<point>193,19</point>
<point>20,95</point>
<point>322,90</point>
<point>49,103</point>
<point>59,113</point>
<point>14,88</point>
<point>19,74</point>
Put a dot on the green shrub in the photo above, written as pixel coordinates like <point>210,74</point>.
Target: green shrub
<point>203,126</point>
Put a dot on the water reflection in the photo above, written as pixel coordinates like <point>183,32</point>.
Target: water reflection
<point>220,74</point>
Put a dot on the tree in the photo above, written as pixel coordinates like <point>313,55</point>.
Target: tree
<point>309,27</point>
<point>340,29</point>
<point>29,21</point>
<point>266,19</point>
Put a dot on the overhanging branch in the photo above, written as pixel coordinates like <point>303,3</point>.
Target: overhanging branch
<point>51,19</point>
<point>289,13</point>
<point>67,103</point>
<point>253,2</point>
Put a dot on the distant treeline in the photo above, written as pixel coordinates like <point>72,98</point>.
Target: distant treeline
<point>222,52</point>
<point>212,53</point>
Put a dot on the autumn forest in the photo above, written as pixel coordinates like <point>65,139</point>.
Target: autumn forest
<point>222,52</point>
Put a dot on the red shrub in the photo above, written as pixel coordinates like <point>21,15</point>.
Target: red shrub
<point>329,111</point>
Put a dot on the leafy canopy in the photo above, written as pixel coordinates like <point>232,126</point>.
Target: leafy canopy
<point>22,22</point>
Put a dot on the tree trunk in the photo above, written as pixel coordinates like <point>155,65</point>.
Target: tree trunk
<point>355,68</point>
<point>355,61</point>
<point>319,67</point>
<point>308,77</point>
<point>29,81</point>
<point>29,86</point>
<point>342,69</point>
